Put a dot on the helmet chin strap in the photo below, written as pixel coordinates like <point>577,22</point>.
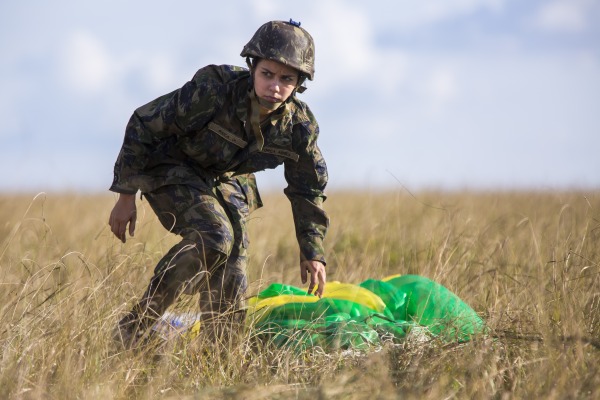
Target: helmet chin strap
<point>267,104</point>
<point>254,116</point>
<point>255,119</point>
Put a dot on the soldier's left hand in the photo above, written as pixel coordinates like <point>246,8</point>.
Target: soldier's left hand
<point>318,276</point>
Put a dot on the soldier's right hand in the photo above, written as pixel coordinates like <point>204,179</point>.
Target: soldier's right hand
<point>123,213</point>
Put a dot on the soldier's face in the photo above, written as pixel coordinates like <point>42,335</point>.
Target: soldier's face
<point>273,83</point>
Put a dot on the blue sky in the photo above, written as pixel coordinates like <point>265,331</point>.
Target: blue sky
<point>425,94</point>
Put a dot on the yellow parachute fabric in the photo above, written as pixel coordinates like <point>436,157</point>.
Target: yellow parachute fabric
<point>259,308</point>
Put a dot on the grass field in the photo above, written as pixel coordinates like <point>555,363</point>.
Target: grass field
<point>528,263</point>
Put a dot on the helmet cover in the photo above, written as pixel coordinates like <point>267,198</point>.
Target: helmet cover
<point>284,42</point>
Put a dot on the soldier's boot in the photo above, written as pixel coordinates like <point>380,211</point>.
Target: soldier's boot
<point>180,269</point>
<point>135,328</point>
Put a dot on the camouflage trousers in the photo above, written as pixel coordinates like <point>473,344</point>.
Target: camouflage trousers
<point>211,257</point>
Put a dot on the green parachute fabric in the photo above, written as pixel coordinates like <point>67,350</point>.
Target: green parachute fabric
<point>360,316</point>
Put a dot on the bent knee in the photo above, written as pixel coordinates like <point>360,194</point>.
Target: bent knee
<point>217,240</point>
<point>200,257</point>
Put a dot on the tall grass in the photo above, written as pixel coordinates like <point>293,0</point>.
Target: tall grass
<point>529,263</point>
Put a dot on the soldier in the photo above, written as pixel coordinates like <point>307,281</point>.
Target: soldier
<point>192,154</point>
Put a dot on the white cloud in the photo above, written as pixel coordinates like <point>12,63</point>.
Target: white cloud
<point>12,124</point>
<point>160,73</point>
<point>441,87</point>
<point>86,64</point>
<point>264,9</point>
<point>409,15</point>
<point>14,94</point>
<point>344,48</point>
<point>156,72</point>
<point>478,119</point>
<point>563,16</point>
<point>347,53</point>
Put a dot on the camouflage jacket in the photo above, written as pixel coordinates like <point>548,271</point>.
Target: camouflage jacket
<point>200,132</point>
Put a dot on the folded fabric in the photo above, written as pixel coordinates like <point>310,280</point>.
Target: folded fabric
<point>358,316</point>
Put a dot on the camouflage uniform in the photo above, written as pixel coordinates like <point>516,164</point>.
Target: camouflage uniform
<point>192,153</point>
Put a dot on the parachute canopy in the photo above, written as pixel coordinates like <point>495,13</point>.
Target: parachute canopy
<point>359,316</point>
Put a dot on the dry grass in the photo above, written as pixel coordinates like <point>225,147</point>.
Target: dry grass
<point>527,262</point>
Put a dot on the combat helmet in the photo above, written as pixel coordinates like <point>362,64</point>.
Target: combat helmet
<point>284,42</point>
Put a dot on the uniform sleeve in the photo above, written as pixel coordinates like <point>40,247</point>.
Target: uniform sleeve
<point>176,113</point>
<point>306,181</point>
